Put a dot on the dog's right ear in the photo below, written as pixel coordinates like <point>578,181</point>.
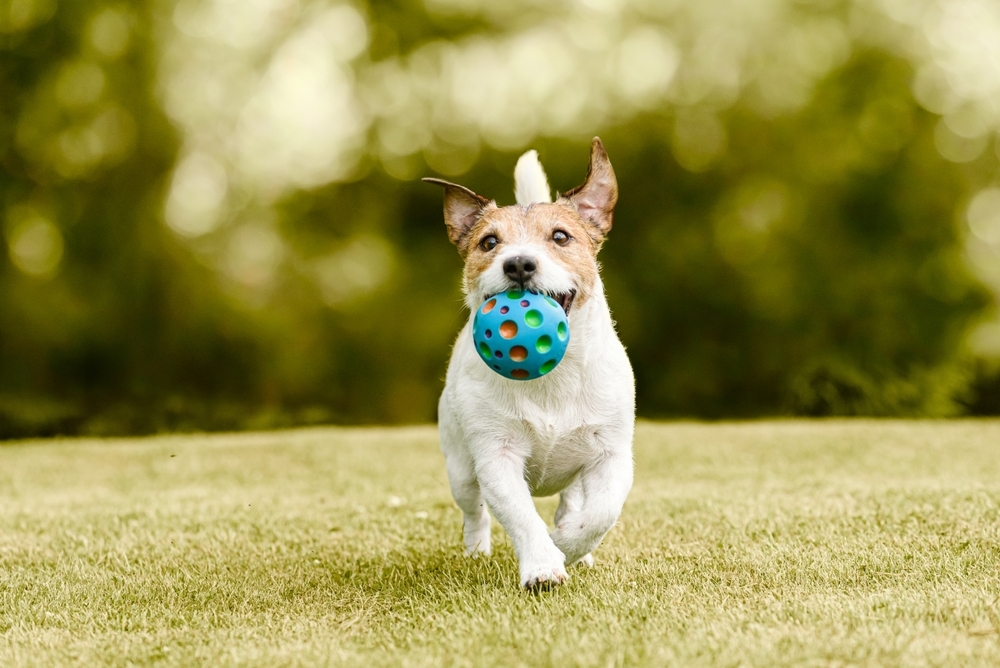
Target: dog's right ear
<point>462,208</point>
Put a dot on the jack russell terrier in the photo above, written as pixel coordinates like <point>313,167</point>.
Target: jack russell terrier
<point>569,431</point>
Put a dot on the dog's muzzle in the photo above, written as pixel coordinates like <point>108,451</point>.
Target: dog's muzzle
<point>520,269</point>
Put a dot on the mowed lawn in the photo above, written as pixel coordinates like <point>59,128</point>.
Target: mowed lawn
<point>763,543</point>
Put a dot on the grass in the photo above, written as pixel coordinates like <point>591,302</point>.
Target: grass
<point>765,543</point>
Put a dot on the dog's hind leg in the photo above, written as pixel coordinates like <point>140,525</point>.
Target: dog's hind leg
<point>571,500</point>
<point>582,522</point>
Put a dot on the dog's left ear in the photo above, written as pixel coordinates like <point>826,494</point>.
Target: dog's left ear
<point>595,199</point>
<point>462,208</point>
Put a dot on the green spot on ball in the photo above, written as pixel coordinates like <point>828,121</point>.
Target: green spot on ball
<point>533,318</point>
<point>543,344</point>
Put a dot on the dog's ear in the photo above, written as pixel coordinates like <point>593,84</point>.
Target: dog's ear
<point>462,208</point>
<point>595,199</point>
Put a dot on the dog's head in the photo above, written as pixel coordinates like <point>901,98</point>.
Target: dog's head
<point>546,247</point>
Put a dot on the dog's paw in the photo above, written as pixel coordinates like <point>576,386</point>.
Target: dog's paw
<point>477,543</point>
<point>478,550</point>
<point>586,561</point>
<point>543,578</point>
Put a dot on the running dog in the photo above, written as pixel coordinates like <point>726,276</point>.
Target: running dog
<point>569,431</point>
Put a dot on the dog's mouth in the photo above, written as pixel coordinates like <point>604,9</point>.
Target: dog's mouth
<point>564,299</point>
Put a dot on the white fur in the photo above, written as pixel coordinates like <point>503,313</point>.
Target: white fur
<point>568,432</point>
<point>530,183</point>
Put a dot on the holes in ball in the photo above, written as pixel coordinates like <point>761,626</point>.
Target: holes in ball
<point>525,303</point>
<point>508,329</point>
<point>548,366</point>
<point>514,294</point>
<point>484,350</point>
<point>498,353</point>
<point>543,344</point>
<point>496,366</point>
<point>488,306</point>
<point>504,309</point>
<point>552,301</point>
<point>562,331</point>
<point>520,374</point>
<point>488,333</point>
<point>519,353</point>
<point>533,318</point>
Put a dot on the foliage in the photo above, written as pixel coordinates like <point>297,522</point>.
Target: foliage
<point>796,245</point>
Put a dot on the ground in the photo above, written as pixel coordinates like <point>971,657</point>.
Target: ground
<point>763,543</point>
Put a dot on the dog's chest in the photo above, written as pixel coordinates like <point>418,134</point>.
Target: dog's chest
<point>558,452</point>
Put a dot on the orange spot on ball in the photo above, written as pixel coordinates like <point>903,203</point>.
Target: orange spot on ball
<point>508,329</point>
<point>488,306</point>
<point>519,353</point>
<point>519,373</point>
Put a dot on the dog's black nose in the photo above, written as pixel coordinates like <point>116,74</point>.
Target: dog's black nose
<point>519,268</point>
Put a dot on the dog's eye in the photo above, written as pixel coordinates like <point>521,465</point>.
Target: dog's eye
<point>488,243</point>
<point>560,237</point>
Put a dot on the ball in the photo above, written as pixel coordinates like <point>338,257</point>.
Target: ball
<point>521,334</point>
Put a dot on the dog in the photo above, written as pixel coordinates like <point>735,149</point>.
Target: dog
<point>568,432</point>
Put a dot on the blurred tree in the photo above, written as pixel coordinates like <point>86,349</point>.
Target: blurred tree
<point>788,238</point>
<point>105,320</point>
<point>817,269</point>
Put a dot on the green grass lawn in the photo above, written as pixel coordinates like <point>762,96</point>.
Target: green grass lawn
<point>763,543</point>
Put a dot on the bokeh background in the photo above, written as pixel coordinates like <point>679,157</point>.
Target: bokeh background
<point>211,217</point>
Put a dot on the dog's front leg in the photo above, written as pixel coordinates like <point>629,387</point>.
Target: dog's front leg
<point>500,470</point>
<point>466,492</point>
<point>604,486</point>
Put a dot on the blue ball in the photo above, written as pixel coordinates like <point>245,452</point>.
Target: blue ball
<point>520,334</point>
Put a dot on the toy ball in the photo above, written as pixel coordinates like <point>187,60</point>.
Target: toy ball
<point>521,334</point>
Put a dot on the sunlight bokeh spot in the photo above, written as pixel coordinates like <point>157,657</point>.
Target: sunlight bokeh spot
<point>34,242</point>
<point>984,215</point>
<point>197,193</point>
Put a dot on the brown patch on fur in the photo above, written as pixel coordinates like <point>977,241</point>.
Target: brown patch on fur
<point>502,223</point>
<point>462,208</point>
<point>584,213</point>
<point>536,223</point>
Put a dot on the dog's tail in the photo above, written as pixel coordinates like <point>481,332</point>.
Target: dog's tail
<point>530,183</point>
